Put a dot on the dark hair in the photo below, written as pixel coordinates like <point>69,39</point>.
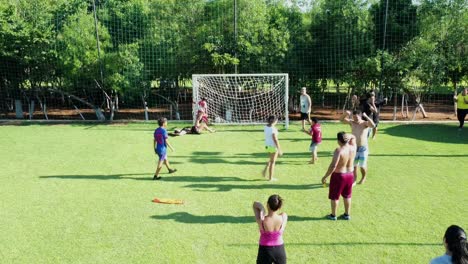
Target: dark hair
<point>314,119</point>
<point>161,121</point>
<point>271,119</point>
<point>455,237</point>
<point>203,98</point>
<point>341,136</point>
<point>357,112</point>
<point>275,202</point>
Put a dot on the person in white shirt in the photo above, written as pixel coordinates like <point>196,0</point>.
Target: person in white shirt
<point>272,146</point>
<point>306,105</point>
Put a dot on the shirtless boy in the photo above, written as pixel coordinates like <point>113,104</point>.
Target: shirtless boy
<point>360,125</point>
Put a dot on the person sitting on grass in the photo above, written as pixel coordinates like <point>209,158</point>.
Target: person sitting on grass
<point>456,247</point>
<point>342,176</point>
<point>316,132</point>
<point>271,226</point>
<point>160,145</point>
<point>272,147</point>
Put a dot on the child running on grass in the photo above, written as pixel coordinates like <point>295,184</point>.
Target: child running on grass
<point>160,145</point>
<point>272,146</point>
<point>316,132</point>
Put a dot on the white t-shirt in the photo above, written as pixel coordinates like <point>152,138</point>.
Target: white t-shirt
<point>444,259</point>
<point>269,131</point>
<point>305,104</point>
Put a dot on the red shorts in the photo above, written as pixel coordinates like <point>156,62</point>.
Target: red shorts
<point>341,184</point>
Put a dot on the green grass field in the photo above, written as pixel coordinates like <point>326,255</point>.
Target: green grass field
<point>82,194</point>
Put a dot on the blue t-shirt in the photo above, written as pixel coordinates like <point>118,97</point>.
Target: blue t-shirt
<point>160,135</point>
<point>445,259</point>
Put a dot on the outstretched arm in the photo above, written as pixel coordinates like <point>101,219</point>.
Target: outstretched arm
<point>332,167</point>
<point>345,118</point>
<point>369,122</point>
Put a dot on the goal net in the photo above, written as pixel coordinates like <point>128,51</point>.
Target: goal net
<point>242,98</point>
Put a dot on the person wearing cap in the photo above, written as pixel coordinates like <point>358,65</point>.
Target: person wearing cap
<point>306,105</point>
<point>342,176</point>
<point>360,124</point>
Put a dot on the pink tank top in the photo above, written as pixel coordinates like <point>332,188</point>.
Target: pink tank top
<point>271,238</point>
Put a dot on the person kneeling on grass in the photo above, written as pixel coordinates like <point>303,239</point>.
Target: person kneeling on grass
<point>160,145</point>
<point>272,146</point>
<point>271,226</point>
<point>342,179</point>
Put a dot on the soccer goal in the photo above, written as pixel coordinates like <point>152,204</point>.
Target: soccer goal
<point>242,98</point>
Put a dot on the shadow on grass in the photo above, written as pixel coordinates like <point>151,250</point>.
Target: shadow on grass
<point>421,155</point>
<point>416,244</point>
<point>184,217</point>
<point>429,132</point>
<point>149,177</point>
<point>267,185</point>
<point>218,158</point>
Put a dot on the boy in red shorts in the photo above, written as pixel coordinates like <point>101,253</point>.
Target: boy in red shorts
<point>342,177</point>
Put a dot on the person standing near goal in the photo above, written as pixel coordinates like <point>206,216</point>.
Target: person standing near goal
<point>272,146</point>
<point>360,129</point>
<point>202,116</point>
<point>306,105</point>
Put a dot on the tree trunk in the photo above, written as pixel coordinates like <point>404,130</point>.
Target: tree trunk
<point>455,94</point>
<point>145,105</point>
<point>395,103</point>
<point>43,106</point>
<point>19,109</point>
<point>100,116</point>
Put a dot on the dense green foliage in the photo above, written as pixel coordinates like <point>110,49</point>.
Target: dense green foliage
<point>82,194</point>
<point>157,45</point>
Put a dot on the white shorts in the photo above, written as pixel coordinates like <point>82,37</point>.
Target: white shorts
<point>313,146</point>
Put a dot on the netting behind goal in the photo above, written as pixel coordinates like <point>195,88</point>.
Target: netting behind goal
<point>242,98</point>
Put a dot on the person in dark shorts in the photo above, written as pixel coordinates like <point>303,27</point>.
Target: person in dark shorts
<point>271,226</point>
<point>342,175</point>
<point>306,106</point>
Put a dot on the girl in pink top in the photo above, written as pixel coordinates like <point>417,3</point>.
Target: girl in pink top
<point>271,226</point>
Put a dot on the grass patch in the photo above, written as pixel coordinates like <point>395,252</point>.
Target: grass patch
<point>82,194</point>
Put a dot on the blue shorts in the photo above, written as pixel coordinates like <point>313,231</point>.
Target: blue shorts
<point>361,156</point>
<point>162,153</point>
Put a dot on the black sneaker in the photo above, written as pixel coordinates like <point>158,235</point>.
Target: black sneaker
<point>155,177</point>
<point>345,217</point>
<point>331,217</point>
<point>172,171</point>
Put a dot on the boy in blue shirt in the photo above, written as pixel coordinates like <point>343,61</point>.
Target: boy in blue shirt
<point>160,145</point>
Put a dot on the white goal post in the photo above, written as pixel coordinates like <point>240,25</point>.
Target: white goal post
<point>242,98</point>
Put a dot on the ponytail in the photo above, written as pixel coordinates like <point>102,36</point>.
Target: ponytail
<point>455,237</point>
